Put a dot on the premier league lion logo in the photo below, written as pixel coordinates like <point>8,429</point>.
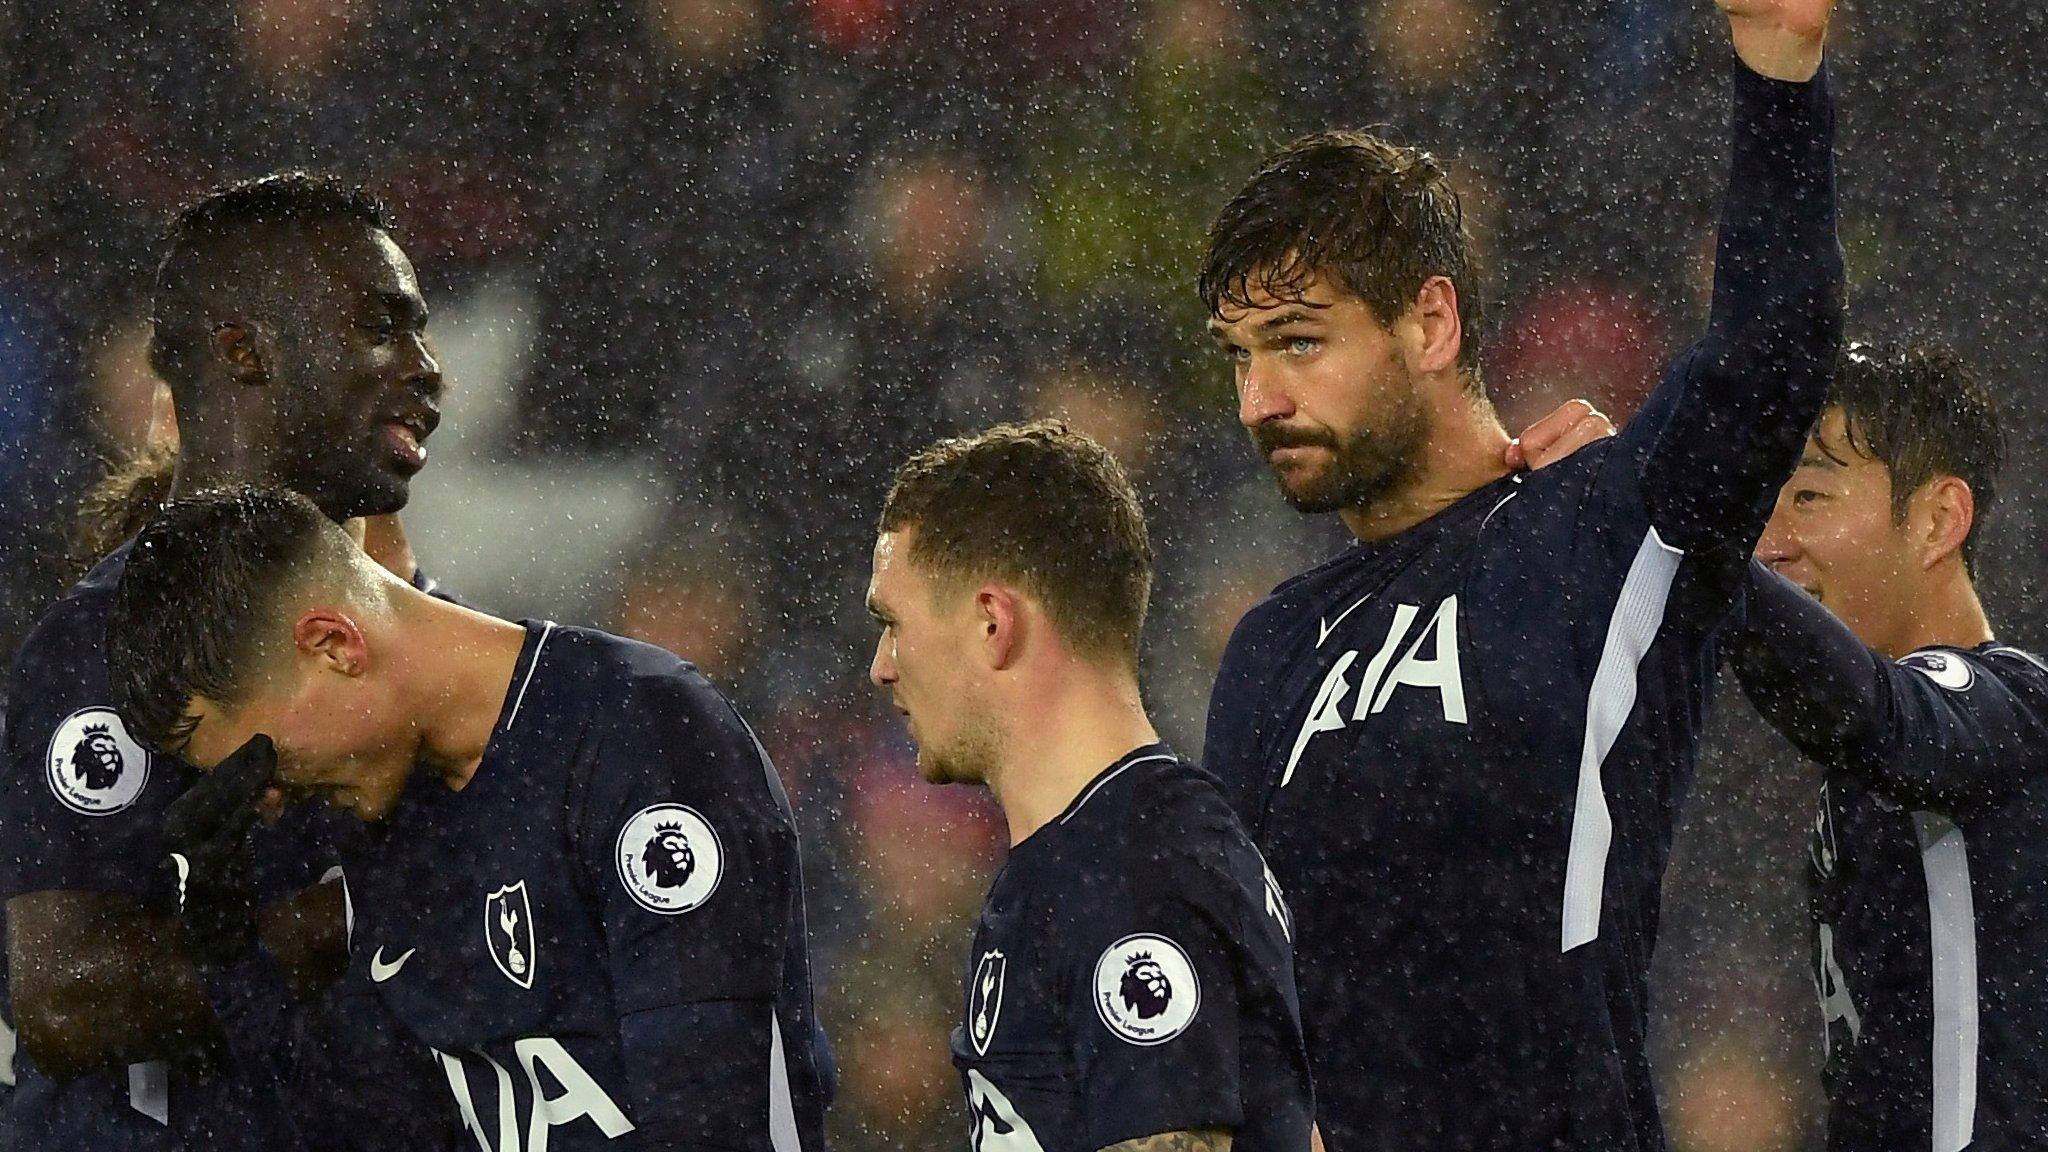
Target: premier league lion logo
<point>668,858</point>
<point>1145,988</point>
<point>96,759</point>
<point>93,765</point>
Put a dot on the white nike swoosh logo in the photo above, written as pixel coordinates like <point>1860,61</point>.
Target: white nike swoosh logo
<point>380,971</point>
<point>184,868</point>
<point>1328,626</point>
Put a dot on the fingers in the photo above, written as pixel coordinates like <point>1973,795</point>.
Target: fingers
<point>1564,430</point>
<point>247,771</point>
<point>225,799</point>
<point>1590,429</point>
<point>1538,437</point>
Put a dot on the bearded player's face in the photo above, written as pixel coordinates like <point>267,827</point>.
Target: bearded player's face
<point>1323,390</point>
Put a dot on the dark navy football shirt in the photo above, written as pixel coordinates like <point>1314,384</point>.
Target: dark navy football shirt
<point>1130,975</point>
<point>80,806</point>
<point>598,943</point>
<point>1929,874</point>
<point>1462,748</point>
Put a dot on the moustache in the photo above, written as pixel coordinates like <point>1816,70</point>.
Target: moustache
<point>1270,438</point>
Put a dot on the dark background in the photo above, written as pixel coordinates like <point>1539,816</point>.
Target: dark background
<point>704,270</point>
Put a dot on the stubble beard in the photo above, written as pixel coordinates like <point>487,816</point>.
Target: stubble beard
<point>968,759</point>
<point>1367,466</point>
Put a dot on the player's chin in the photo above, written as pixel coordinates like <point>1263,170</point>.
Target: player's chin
<point>1313,495</point>
<point>362,805</point>
<point>374,490</point>
<point>932,769</point>
<point>942,770</point>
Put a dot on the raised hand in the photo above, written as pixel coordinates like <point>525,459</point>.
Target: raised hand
<point>1780,39</point>
<point>205,832</point>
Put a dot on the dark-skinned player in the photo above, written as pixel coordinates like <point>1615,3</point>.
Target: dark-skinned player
<point>290,328</point>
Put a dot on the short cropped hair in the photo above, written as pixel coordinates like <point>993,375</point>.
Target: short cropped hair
<point>195,598</point>
<point>1922,412</point>
<point>1356,211</point>
<point>197,249</point>
<point>1040,506</point>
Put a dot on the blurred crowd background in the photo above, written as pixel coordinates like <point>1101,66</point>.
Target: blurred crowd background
<point>703,271</point>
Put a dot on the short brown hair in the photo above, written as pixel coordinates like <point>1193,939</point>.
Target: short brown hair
<point>1375,218</point>
<point>1039,505</point>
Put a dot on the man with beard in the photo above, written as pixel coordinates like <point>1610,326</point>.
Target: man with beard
<point>1462,742</point>
<point>291,330</point>
<point>1129,986</point>
<point>578,921</point>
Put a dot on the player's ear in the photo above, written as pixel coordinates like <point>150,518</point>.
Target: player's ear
<point>332,640</point>
<point>243,349</point>
<point>1439,334</point>
<point>1941,515</point>
<point>999,613</point>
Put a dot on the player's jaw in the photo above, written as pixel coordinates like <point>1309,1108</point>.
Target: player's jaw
<point>362,463</point>
<point>1320,470</point>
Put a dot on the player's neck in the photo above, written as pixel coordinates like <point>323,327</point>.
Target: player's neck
<point>1061,738</point>
<point>461,665</point>
<point>1946,612</point>
<point>210,457</point>
<point>1466,451</point>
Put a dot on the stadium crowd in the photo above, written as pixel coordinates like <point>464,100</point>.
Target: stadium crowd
<point>705,271</point>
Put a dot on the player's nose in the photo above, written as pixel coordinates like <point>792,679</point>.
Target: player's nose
<point>425,369</point>
<point>881,670</point>
<point>1779,544</point>
<point>1259,399</point>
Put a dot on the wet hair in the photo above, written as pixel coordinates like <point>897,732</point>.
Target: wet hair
<point>120,503</point>
<point>1353,210</point>
<point>1923,413</point>
<point>1039,506</point>
<point>196,597</point>
<point>205,247</point>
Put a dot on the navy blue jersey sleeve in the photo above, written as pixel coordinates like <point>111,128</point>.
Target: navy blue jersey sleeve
<point>1724,429</point>
<point>1159,981</point>
<point>687,843</point>
<point>79,804</point>
<point>1940,729</point>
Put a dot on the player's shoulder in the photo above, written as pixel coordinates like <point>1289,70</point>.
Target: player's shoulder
<point>1959,669</point>
<point>643,696</point>
<point>1269,628</point>
<point>1152,814</point>
<point>81,613</point>
<point>61,655</point>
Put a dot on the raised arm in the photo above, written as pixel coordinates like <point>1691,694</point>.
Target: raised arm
<point>1939,730</point>
<point>1725,429</point>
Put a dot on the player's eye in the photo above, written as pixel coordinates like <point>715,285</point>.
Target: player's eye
<point>1303,345</point>
<point>1806,497</point>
